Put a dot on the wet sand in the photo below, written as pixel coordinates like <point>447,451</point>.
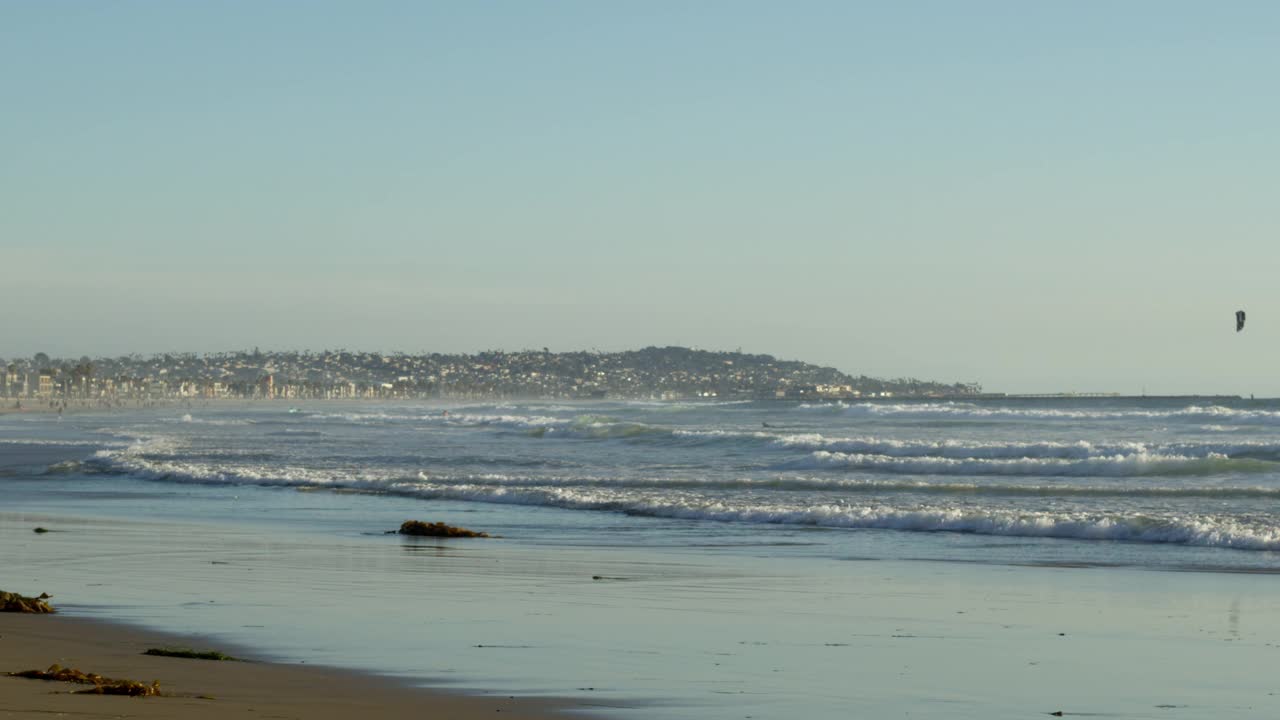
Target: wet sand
<point>192,689</point>
<point>198,689</point>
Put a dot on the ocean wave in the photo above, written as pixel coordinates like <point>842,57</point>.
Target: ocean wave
<point>688,498</point>
<point>66,467</point>
<point>290,432</point>
<point>858,486</point>
<point>352,418</point>
<point>957,449</point>
<point>987,450</point>
<point>62,443</point>
<point>191,419</point>
<point>151,466</point>
<point>598,427</point>
<point>778,450</point>
<point>1140,463</point>
<point>1211,415</point>
<point>1197,530</point>
<point>606,427</point>
<point>512,422</point>
<point>601,427</point>
<point>158,460</point>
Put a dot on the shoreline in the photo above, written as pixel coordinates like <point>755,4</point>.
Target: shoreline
<point>199,689</point>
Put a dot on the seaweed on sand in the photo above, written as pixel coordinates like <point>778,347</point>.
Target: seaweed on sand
<point>437,529</point>
<point>13,602</point>
<point>101,685</point>
<point>189,653</point>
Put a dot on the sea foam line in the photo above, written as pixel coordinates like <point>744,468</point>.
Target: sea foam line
<point>1135,464</point>
<point>1199,530</point>
<point>148,461</point>
<point>690,503</point>
<point>603,427</point>
<point>1213,414</point>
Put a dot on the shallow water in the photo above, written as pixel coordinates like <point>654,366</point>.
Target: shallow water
<point>878,559</point>
<point>1152,472</point>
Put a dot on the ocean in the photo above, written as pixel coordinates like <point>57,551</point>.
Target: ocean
<point>689,559</point>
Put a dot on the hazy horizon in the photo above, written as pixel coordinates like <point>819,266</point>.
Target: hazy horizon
<point>1038,198</point>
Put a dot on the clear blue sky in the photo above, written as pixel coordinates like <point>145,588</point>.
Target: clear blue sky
<point>1036,196</point>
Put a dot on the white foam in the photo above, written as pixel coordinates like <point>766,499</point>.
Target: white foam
<point>1200,530</point>
<point>690,499</point>
<point>60,443</point>
<point>1213,414</point>
<point>864,486</point>
<point>518,422</point>
<point>957,448</point>
<point>992,450</point>
<point>188,418</point>
<point>1137,463</point>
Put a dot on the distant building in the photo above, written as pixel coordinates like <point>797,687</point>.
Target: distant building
<point>12,387</point>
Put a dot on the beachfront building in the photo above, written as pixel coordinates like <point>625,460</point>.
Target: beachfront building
<point>45,389</point>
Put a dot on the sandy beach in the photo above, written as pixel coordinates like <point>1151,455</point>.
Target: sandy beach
<point>196,689</point>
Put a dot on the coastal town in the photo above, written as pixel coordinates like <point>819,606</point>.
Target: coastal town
<point>667,373</point>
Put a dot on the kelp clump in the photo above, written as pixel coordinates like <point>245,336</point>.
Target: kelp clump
<point>101,685</point>
<point>13,602</point>
<point>437,529</point>
<point>190,654</point>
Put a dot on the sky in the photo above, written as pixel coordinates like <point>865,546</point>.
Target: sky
<point>1040,197</point>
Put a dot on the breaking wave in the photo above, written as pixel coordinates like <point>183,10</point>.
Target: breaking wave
<point>1078,450</point>
<point>1136,464</point>
<point>1198,530</point>
<point>1111,457</point>
<point>192,419</point>
<point>1208,415</point>
<point>62,443</point>
<point>757,500</point>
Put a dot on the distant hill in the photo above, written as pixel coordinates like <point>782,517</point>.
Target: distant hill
<point>651,372</point>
